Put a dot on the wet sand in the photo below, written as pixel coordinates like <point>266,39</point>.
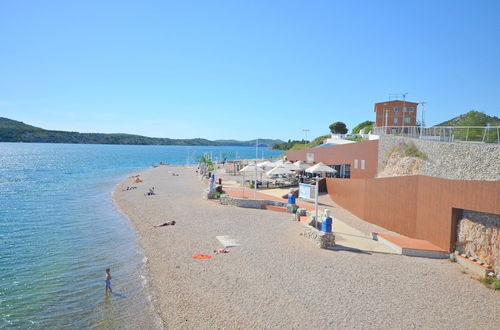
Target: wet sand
<point>278,279</point>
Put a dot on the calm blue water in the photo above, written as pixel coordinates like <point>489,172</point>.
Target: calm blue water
<point>59,230</point>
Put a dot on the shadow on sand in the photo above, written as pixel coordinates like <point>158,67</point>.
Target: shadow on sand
<point>340,247</point>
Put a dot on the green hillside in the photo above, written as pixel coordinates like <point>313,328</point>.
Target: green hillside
<point>16,131</point>
<point>472,118</point>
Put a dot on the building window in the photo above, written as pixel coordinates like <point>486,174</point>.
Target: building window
<point>395,120</point>
<point>362,164</point>
<point>412,109</point>
<point>343,171</point>
<point>404,109</point>
<point>355,163</point>
<point>407,120</point>
<point>395,109</point>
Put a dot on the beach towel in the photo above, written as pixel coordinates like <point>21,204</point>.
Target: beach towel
<point>201,256</point>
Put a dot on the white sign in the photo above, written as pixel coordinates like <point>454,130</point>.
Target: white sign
<point>306,191</point>
<point>309,157</point>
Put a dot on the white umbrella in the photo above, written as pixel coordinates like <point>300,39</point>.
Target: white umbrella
<point>302,165</point>
<point>320,168</point>
<point>251,168</point>
<point>280,162</point>
<point>280,170</point>
<point>265,164</point>
<point>291,166</point>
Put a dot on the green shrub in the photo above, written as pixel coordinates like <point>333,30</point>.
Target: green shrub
<point>406,149</point>
<point>488,280</point>
<point>496,284</point>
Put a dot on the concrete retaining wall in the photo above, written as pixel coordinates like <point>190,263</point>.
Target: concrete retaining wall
<point>459,161</point>
<point>248,203</point>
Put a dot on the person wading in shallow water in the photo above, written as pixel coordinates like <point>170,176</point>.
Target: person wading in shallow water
<point>108,281</point>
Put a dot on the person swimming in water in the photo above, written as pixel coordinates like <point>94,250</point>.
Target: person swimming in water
<point>108,281</point>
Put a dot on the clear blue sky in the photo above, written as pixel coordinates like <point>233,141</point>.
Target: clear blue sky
<point>242,69</point>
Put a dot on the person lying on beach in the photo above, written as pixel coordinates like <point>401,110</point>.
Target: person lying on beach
<point>137,180</point>
<point>168,223</point>
<point>129,188</point>
<point>223,250</point>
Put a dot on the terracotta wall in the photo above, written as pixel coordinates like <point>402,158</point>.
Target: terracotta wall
<point>416,206</point>
<point>344,154</point>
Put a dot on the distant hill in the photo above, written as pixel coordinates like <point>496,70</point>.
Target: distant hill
<point>472,118</point>
<point>16,131</point>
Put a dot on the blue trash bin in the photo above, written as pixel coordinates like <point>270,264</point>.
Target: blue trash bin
<point>326,225</point>
<point>291,199</point>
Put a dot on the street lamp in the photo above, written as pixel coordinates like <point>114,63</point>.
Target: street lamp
<point>305,130</point>
<point>422,121</point>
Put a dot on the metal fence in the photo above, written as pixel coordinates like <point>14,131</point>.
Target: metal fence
<point>484,134</point>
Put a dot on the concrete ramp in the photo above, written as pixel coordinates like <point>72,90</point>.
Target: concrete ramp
<point>411,246</point>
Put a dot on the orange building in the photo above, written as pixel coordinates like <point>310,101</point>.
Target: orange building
<point>395,113</point>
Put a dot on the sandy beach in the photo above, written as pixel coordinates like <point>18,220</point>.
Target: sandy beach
<point>276,278</point>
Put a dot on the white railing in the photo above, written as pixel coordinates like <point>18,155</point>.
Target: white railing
<point>485,134</point>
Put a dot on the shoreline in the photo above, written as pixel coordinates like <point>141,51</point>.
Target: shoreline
<point>145,260</point>
<point>267,281</point>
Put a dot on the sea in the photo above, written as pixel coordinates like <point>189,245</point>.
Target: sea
<point>59,230</point>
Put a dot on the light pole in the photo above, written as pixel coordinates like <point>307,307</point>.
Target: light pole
<point>403,110</point>
<point>422,121</point>
<point>305,130</point>
<point>255,170</point>
<point>386,112</point>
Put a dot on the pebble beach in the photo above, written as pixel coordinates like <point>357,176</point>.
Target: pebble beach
<point>275,278</point>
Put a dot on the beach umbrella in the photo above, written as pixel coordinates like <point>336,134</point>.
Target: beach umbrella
<point>251,168</point>
<point>278,163</point>
<point>291,166</point>
<point>302,165</point>
<point>265,164</point>
<point>280,170</point>
<point>320,168</point>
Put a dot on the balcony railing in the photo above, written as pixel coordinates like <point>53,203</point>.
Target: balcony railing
<point>485,134</point>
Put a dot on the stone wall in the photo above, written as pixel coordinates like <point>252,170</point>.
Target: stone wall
<point>450,160</point>
<point>320,239</point>
<point>478,235</point>
<point>248,203</point>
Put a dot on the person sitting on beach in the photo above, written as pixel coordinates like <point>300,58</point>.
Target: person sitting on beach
<point>151,191</point>
<point>168,223</point>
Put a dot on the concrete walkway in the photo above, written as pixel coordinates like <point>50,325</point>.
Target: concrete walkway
<point>346,236</point>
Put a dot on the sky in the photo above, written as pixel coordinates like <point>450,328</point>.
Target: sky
<point>242,69</point>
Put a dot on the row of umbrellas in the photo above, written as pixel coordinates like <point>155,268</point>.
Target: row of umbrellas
<point>282,167</point>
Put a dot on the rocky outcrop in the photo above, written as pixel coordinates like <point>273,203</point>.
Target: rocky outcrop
<point>478,235</point>
<point>399,165</point>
